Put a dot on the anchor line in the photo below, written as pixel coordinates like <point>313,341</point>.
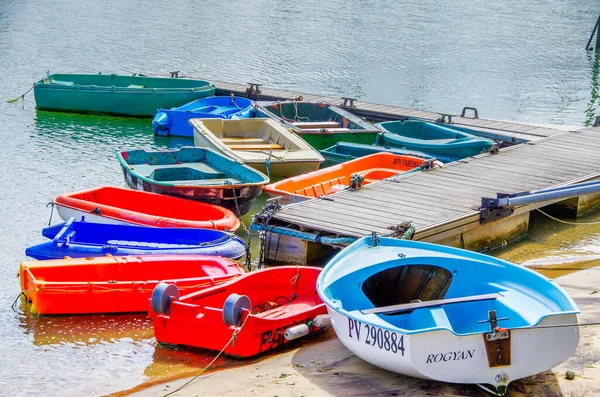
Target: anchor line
<point>567,222</point>
<point>233,337</point>
<point>20,97</point>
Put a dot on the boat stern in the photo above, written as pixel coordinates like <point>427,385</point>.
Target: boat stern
<point>161,124</point>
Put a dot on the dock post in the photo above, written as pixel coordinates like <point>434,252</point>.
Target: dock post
<point>596,31</point>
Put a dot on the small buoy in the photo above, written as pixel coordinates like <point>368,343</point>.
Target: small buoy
<point>321,321</point>
<point>162,296</point>
<point>233,309</point>
<point>570,375</point>
<point>295,332</point>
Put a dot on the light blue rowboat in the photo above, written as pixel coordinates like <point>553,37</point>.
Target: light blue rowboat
<point>432,138</point>
<point>175,121</point>
<point>346,151</point>
<point>442,313</point>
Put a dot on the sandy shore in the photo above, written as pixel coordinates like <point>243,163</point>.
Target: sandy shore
<point>327,368</point>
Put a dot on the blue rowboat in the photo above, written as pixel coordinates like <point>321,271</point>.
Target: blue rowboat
<point>175,121</point>
<point>137,96</point>
<point>194,173</point>
<point>346,151</point>
<point>80,239</point>
<point>431,138</point>
<point>442,313</point>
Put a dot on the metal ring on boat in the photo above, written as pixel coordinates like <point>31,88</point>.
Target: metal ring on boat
<point>162,296</point>
<point>233,309</point>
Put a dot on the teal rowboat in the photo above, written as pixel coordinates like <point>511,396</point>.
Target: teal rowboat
<point>135,96</point>
<point>432,138</point>
<point>193,173</point>
<point>319,124</point>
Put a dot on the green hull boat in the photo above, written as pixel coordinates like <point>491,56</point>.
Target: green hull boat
<point>135,96</point>
<point>319,124</point>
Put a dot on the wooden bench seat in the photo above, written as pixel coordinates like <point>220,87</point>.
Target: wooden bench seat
<point>242,140</point>
<point>317,124</point>
<point>264,146</point>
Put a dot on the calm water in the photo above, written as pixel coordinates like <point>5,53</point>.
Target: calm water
<point>512,60</point>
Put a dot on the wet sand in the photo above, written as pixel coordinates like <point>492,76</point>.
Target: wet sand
<point>327,368</point>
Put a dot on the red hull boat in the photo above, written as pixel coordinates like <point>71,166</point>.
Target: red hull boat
<point>117,205</point>
<point>274,306</point>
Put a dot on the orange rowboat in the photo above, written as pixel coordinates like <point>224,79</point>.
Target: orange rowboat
<point>116,284</point>
<point>332,179</point>
<point>117,206</point>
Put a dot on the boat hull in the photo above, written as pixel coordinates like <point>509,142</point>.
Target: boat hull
<point>193,173</point>
<point>112,205</point>
<point>239,201</point>
<point>339,177</point>
<point>116,284</point>
<point>444,356</point>
<point>197,319</point>
<point>78,239</point>
<point>134,96</point>
<point>432,138</point>
<point>176,121</point>
<point>260,143</point>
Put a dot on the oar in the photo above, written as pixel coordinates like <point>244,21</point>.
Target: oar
<point>407,307</point>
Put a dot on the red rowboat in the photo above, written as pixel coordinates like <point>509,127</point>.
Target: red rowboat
<point>117,205</point>
<point>116,284</point>
<point>274,306</point>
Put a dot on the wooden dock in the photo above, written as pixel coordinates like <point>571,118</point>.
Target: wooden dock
<point>441,204</point>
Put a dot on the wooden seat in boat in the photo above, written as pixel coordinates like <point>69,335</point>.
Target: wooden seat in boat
<point>264,146</point>
<point>242,140</point>
<point>316,124</point>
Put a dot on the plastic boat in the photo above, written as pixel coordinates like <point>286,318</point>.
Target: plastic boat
<point>432,138</point>
<point>125,206</point>
<point>194,173</point>
<point>116,284</point>
<point>351,174</point>
<point>346,151</point>
<point>447,314</point>
<point>267,307</point>
<point>260,143</point>
<point>319,124</point>
<point>176,121</point>
<point>137,96</point>
<point>79,239</point>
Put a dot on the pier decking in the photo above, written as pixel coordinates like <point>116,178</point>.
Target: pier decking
<point>442,204</point>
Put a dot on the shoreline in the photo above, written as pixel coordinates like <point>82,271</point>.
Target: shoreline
<point>327,368</point>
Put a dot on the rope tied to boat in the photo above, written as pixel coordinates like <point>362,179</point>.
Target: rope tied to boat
<point>235,201</point>
<point>51,212</point>
<point>567,222</point>
<point>20,97</point>
<point>14,305</point>
<point>232,340</point>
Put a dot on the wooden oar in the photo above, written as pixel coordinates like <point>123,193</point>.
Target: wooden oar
<point>407,307</point>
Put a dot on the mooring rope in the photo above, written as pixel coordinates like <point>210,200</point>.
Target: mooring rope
<point>20,97</point>
<point>233,337</point>
<point>567,222</point>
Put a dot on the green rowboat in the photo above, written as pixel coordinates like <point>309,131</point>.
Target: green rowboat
<point>136,96</point>
<point>321,125</point>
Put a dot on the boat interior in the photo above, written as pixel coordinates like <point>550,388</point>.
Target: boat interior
<point>286,291</point>
<point>412,283</point>
<point>306,116</point>
<point>137,236</point>
<point>189,166</point>
<point>372,168</point>
<point>250,134</point>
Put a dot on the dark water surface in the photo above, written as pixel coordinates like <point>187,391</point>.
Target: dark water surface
<point>512,60</point>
